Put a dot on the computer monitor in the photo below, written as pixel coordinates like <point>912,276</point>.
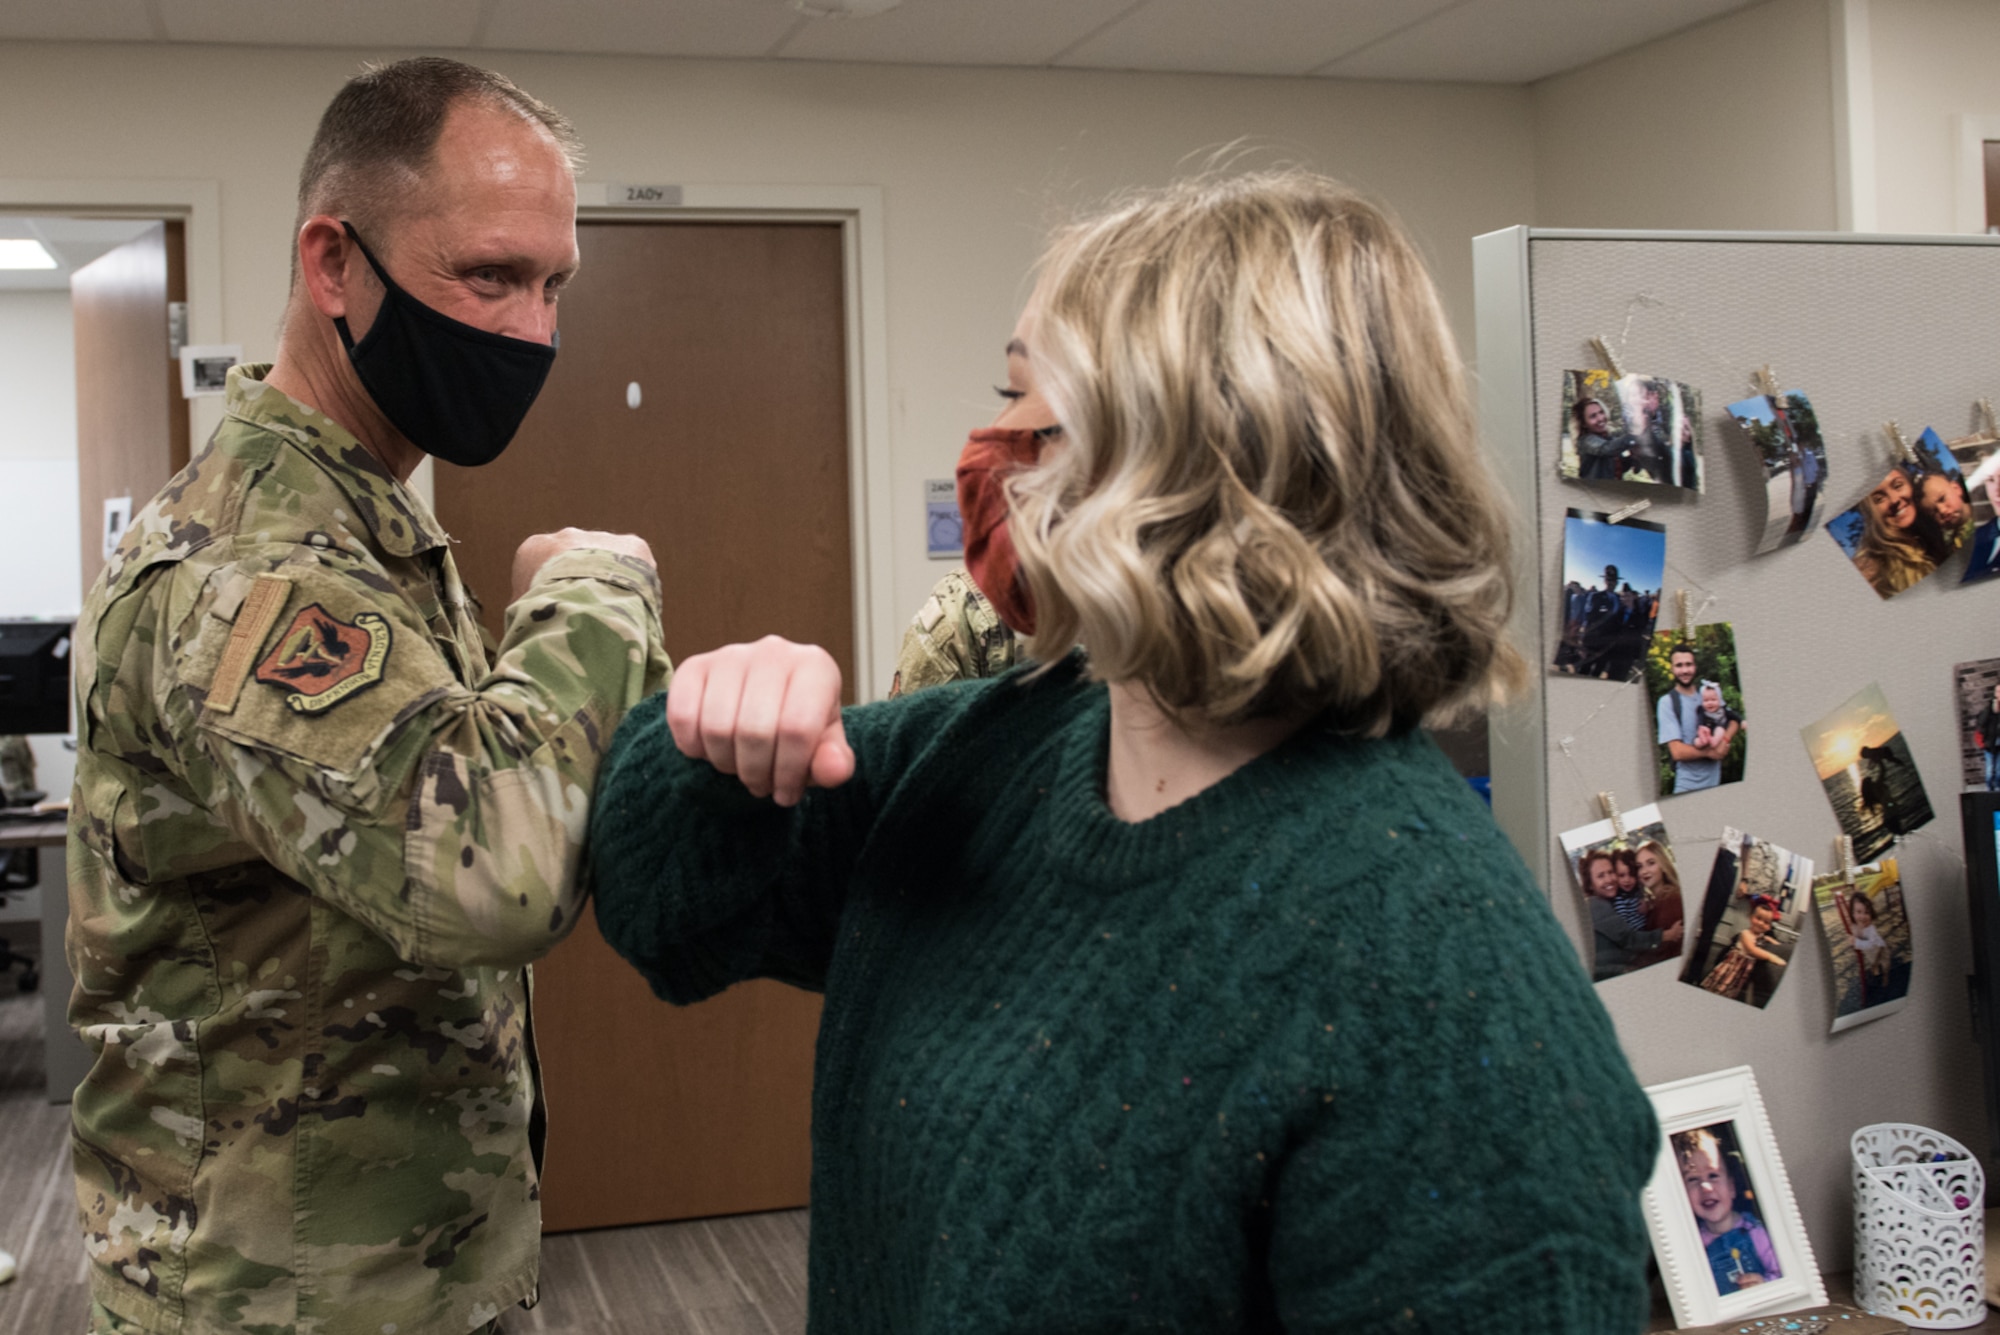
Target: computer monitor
<point>34,676</point>
<point>1981,815</point>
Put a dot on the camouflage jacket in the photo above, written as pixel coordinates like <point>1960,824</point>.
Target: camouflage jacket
<point>955,636</point>
<point>316,837</point>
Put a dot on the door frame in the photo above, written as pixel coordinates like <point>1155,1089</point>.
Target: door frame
<point>1969,169</point>
<point>198,206</point>
<point>857,209</point>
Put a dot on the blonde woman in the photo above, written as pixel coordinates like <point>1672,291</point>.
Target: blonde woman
<point>1660,887</point>
<point>1892,555</point>
<point>1189,989</point>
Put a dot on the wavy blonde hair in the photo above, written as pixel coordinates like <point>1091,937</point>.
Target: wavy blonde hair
<point>1890,560</point>
<point>1272,501</point>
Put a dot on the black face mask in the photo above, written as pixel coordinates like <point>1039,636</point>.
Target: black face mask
<point>456,392</point>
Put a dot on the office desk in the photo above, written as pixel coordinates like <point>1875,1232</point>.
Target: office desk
<point>49,832</point>
<point>67,1059</point>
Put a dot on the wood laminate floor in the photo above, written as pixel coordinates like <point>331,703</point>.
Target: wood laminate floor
<point>739,1276</point>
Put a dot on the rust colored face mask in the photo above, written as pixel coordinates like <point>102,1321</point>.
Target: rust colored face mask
<point>991,454</point>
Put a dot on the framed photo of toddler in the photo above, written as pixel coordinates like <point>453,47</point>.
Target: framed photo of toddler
<point>1726,1231</point>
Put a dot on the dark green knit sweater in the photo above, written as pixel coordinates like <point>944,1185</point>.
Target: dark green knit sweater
<point>1307,1052</point>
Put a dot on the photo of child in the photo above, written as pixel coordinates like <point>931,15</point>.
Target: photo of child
<point>1977,688</point>
<point>1867,942</point>
<point>1785,431</point>
<point>1909,522</point>
<point>1692,679</point>
<point>1723,1200</point>
<point>1749,920</point>
<point>1632,429</point>
<point>1633,891</point>
<point>1869,776</point>
<point>1866,939</point>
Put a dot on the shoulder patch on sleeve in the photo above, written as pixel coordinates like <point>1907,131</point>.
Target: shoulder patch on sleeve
<point>321,660</point>
<point>260,609</point>
<point>929,614</point>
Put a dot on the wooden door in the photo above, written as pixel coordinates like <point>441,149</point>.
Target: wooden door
<point>131,421</point>
<point>730,459</point>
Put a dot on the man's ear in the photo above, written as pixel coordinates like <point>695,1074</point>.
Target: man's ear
<point>325,251</point>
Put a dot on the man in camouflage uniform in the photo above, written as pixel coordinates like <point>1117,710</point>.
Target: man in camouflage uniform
<point>319,831</point>
<point>955,636</point>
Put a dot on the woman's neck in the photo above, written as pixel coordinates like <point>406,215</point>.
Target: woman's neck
<point>1159,760</point>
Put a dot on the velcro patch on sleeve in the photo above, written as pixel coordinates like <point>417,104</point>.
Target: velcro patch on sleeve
<point>260,611</point>
<point>321,660</point>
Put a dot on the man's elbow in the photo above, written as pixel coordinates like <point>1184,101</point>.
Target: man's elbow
<point>493,865</point>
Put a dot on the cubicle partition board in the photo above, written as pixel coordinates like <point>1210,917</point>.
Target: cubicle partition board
<point>1872,330</point>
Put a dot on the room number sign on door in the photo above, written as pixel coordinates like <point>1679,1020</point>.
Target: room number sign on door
<point>643,196</point>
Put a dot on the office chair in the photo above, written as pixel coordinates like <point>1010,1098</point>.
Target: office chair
<point>20,870</point>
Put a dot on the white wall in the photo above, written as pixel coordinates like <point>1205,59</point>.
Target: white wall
<point>1933,62</point>
<point>37,376</point>
<point>1725,126</point>
<point>38,498</point>
<point>38,518</point>
<point>973,165</point>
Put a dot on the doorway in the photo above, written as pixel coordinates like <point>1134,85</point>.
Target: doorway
<point>700,400</point>
<point>94,411</point>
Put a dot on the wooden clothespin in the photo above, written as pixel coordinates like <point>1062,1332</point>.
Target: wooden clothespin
<point>1895,435</point>
<point>1681,605</point>
<point>1611,813</point>
<point>1844,846</point>
<point>1625,512</point>
<point>1767,384</point>
<point>1604,352</point>
<point>1986,416</point>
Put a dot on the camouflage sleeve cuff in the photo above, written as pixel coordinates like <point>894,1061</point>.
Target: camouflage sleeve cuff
<point>594,563</point>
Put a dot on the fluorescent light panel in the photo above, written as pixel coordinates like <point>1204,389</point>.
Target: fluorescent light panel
<point>24,253</point>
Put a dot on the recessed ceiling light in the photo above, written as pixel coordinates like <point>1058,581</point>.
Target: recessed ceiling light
<point>844,9</point>
<point>24,253</point>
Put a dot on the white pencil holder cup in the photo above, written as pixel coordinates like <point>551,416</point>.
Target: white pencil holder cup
<point>1919,1227</point>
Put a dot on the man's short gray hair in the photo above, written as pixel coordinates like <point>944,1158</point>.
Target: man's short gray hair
<point>380,131</point>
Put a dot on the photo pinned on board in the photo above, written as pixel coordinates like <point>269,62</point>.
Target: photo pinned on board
<point>1632,428</point>
<point>1633,890</point>
<point>1910,521</point>
<point>1697,694</point>
<point>1865,767</point>
<point>1612,575</point>
<point>1867,942</point>
<point>1976,686</point>
<point>1979,461</point>
<point>1785,431</point>
<point>1724,1202</point>
<point>1750,919</point>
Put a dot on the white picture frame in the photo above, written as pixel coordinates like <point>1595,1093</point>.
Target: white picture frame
<point>1725,1099</point>
<point>205,368</point>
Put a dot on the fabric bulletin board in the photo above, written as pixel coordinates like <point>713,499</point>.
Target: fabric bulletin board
<point>1872,329</point>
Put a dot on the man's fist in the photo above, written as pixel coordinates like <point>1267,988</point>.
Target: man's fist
<point>543,548</point>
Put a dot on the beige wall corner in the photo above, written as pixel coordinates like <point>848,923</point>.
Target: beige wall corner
<point>1853,114</point>
<point>1934,100</point>
<point>1728,125</point>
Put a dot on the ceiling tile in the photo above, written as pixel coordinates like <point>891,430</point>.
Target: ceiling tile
<point>377,23</point>
<point>75,21</point>
<point>726,28</point>
<point>1519,41</point>
<point>957,32</point>
<point>1257,37</point>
